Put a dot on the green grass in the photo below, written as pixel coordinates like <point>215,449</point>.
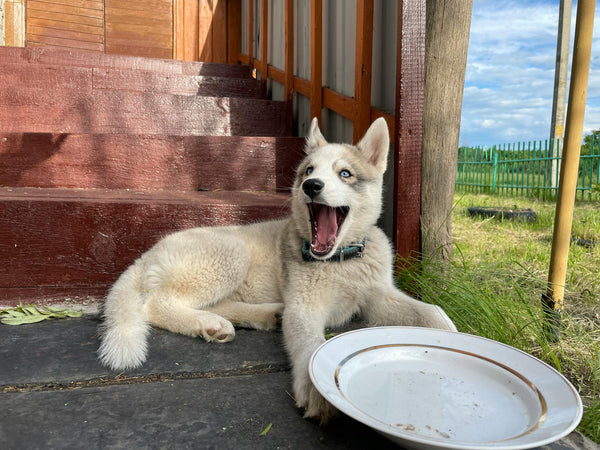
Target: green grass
<point>494,284</point>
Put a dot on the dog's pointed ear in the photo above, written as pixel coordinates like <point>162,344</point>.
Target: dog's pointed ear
<point>314,138</point>
<point>375,144</point>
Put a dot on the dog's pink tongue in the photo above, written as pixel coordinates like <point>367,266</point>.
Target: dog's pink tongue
<point>326,229</point>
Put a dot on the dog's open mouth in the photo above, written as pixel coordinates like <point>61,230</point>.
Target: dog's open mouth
<point>326,223</point>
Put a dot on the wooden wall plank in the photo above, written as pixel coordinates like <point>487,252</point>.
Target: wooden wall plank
<point>59,18</point>
<point>75,44</point>
<point>264,39</point>
<point>363,67</point>
<point>90,4</point>
<point>219,32</point>
<point>190,38</point>
<point>126,16</point>
<point>62,23</point>
<point>288,84</point>
<point>66,34</point>
<point>160,6</point>
<point>62,9</point>
<point>205,18</point>
<point>410,75</point>
<point>178,29</point>
<point>68,26</point>
<point>234,26</point>
<point>316,59</point>
<point>143,28</point>
<point>251,33</point>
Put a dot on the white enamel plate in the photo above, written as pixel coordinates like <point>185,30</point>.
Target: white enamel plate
<point>426,388</point>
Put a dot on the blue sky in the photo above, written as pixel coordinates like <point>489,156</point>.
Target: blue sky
<point>510,72</point>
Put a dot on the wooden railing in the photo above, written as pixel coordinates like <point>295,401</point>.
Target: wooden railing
<point>358,108</point>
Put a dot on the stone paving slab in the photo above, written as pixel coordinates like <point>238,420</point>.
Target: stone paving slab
<point>189,394</point>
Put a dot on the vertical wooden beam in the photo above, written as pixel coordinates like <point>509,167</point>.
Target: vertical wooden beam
<point>316,58</point>
<point>205,31</point>
<point>219,32</point>
<point>178,29</point>
<point>251,35</point>
<point>190,30</point>
<point>264,38</point>
<point>234,30</point>
<point>14,23</point>
<point>410,79</point>
<point>363,67</point>
<point>288,84</point>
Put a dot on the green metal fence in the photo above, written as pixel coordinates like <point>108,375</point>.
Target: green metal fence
<point>525,169</point>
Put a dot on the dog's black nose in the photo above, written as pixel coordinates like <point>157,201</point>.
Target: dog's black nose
<point>312,187</point>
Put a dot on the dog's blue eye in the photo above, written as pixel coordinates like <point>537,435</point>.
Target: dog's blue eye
<point>309,170</point>
<point>345,174</point>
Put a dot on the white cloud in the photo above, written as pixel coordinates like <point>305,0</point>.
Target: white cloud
<point>510,72</point>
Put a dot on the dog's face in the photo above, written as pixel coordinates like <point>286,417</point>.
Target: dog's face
<point>337,191</point>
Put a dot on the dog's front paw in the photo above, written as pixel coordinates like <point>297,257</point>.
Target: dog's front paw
<point>318,408</point>
<point>217,330</point>
<point>315,406</point>
<point>273,316</point>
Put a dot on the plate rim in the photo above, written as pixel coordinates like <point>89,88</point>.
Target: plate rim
<point>351,410</point>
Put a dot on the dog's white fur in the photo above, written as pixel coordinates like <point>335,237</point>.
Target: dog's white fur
<point>203,281</point>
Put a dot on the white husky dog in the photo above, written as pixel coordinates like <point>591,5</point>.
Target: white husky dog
<point>327,262</point>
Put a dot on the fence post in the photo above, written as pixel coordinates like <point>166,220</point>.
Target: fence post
<point>494,169</point>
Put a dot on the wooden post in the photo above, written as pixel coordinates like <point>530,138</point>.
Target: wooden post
<point>554,298</point>
<point>288,84</point>
<point>363,67</point>
<point>316,58</point>
<point>234,30</point>
<point>264,39</point>
<point>408,136</point>
<point>251,36</point>
<point>14,21</point>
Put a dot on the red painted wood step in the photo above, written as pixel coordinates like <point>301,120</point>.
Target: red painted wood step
<point>145,81</point>
<point>87,79</point>
<point>57,242</point>
<point>39,110</point>
<point>54,56</point>
<point>148,162</point>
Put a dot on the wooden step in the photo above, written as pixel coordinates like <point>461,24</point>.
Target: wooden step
<point>54,56</point>
<point>148,162</point>
<point>42,111</point>
<point>145,81</point>
<point>66,242</point>
<point>87,79</point>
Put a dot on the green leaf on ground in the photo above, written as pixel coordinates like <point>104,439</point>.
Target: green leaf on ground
<point>23,314</point>
<point>266,430</point>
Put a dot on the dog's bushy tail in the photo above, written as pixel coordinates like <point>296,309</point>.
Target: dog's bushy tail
<point>125,329</point>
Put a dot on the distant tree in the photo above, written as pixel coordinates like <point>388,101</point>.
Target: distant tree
<point>447,26</point>
<point>590,141</point>
<point>586,148</point>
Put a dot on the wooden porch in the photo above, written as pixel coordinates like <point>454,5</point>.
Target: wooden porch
<point>113,134</point>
